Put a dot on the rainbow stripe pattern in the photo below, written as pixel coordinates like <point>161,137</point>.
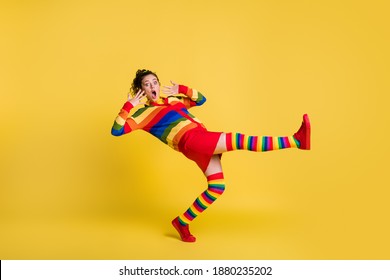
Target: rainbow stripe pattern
<point>216,186</point>
<point>167,120</point>
<point>239,141</point>
<point>270,143</point>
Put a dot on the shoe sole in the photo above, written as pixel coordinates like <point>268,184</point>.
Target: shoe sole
<point>308,131</point>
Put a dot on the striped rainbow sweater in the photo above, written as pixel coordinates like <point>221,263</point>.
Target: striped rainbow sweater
<point>167,120</point>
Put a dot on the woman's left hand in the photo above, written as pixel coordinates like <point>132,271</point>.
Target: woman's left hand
<point>171,90</point>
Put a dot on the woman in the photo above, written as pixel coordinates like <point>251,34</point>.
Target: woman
<point>168,119</point>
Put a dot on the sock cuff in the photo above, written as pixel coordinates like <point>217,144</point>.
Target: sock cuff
<point>229,146</point>
<point>215,176</point>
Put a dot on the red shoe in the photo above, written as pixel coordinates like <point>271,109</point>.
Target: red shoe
<point>184,231</point>
<point>303,134</point>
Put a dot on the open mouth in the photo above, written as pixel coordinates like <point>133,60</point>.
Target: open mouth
<point>154,94</point>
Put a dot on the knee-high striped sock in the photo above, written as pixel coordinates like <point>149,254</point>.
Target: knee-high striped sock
<point>216,186</point>
<point>238,141</point>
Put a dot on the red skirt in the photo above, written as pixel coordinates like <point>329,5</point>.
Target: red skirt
<point>199,145</point>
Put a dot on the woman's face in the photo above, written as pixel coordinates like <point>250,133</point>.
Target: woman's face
<point>151,86</point>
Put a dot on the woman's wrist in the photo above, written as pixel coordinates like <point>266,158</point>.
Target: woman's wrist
<point>128,106</point>
<point>183,89</point>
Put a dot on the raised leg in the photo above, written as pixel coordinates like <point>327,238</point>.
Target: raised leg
<point>238,141</point>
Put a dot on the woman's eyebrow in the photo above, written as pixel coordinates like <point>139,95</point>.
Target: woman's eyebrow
<point>150,81</point>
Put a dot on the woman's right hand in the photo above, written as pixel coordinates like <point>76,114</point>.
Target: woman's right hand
<point>136,100</point>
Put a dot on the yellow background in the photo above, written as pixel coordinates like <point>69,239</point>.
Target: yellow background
<point>70,190</point>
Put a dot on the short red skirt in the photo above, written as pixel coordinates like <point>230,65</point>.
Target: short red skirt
<point>199,145</point>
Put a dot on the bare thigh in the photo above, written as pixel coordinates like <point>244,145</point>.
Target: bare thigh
<point>221,145</point>
<point>214,166</point>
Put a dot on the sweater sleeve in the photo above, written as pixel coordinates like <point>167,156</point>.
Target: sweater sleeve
<point>195,98</point>
<point>123,124</point>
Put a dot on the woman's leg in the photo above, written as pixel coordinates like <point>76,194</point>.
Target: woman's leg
<point>216,186</point>
<point>214,173</point>
<point>237,141</point>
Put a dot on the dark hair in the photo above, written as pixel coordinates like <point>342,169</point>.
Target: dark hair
<point>137,82</point>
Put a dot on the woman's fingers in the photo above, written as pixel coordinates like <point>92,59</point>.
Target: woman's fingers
<point>140,94</point>
<point>169,90</point>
